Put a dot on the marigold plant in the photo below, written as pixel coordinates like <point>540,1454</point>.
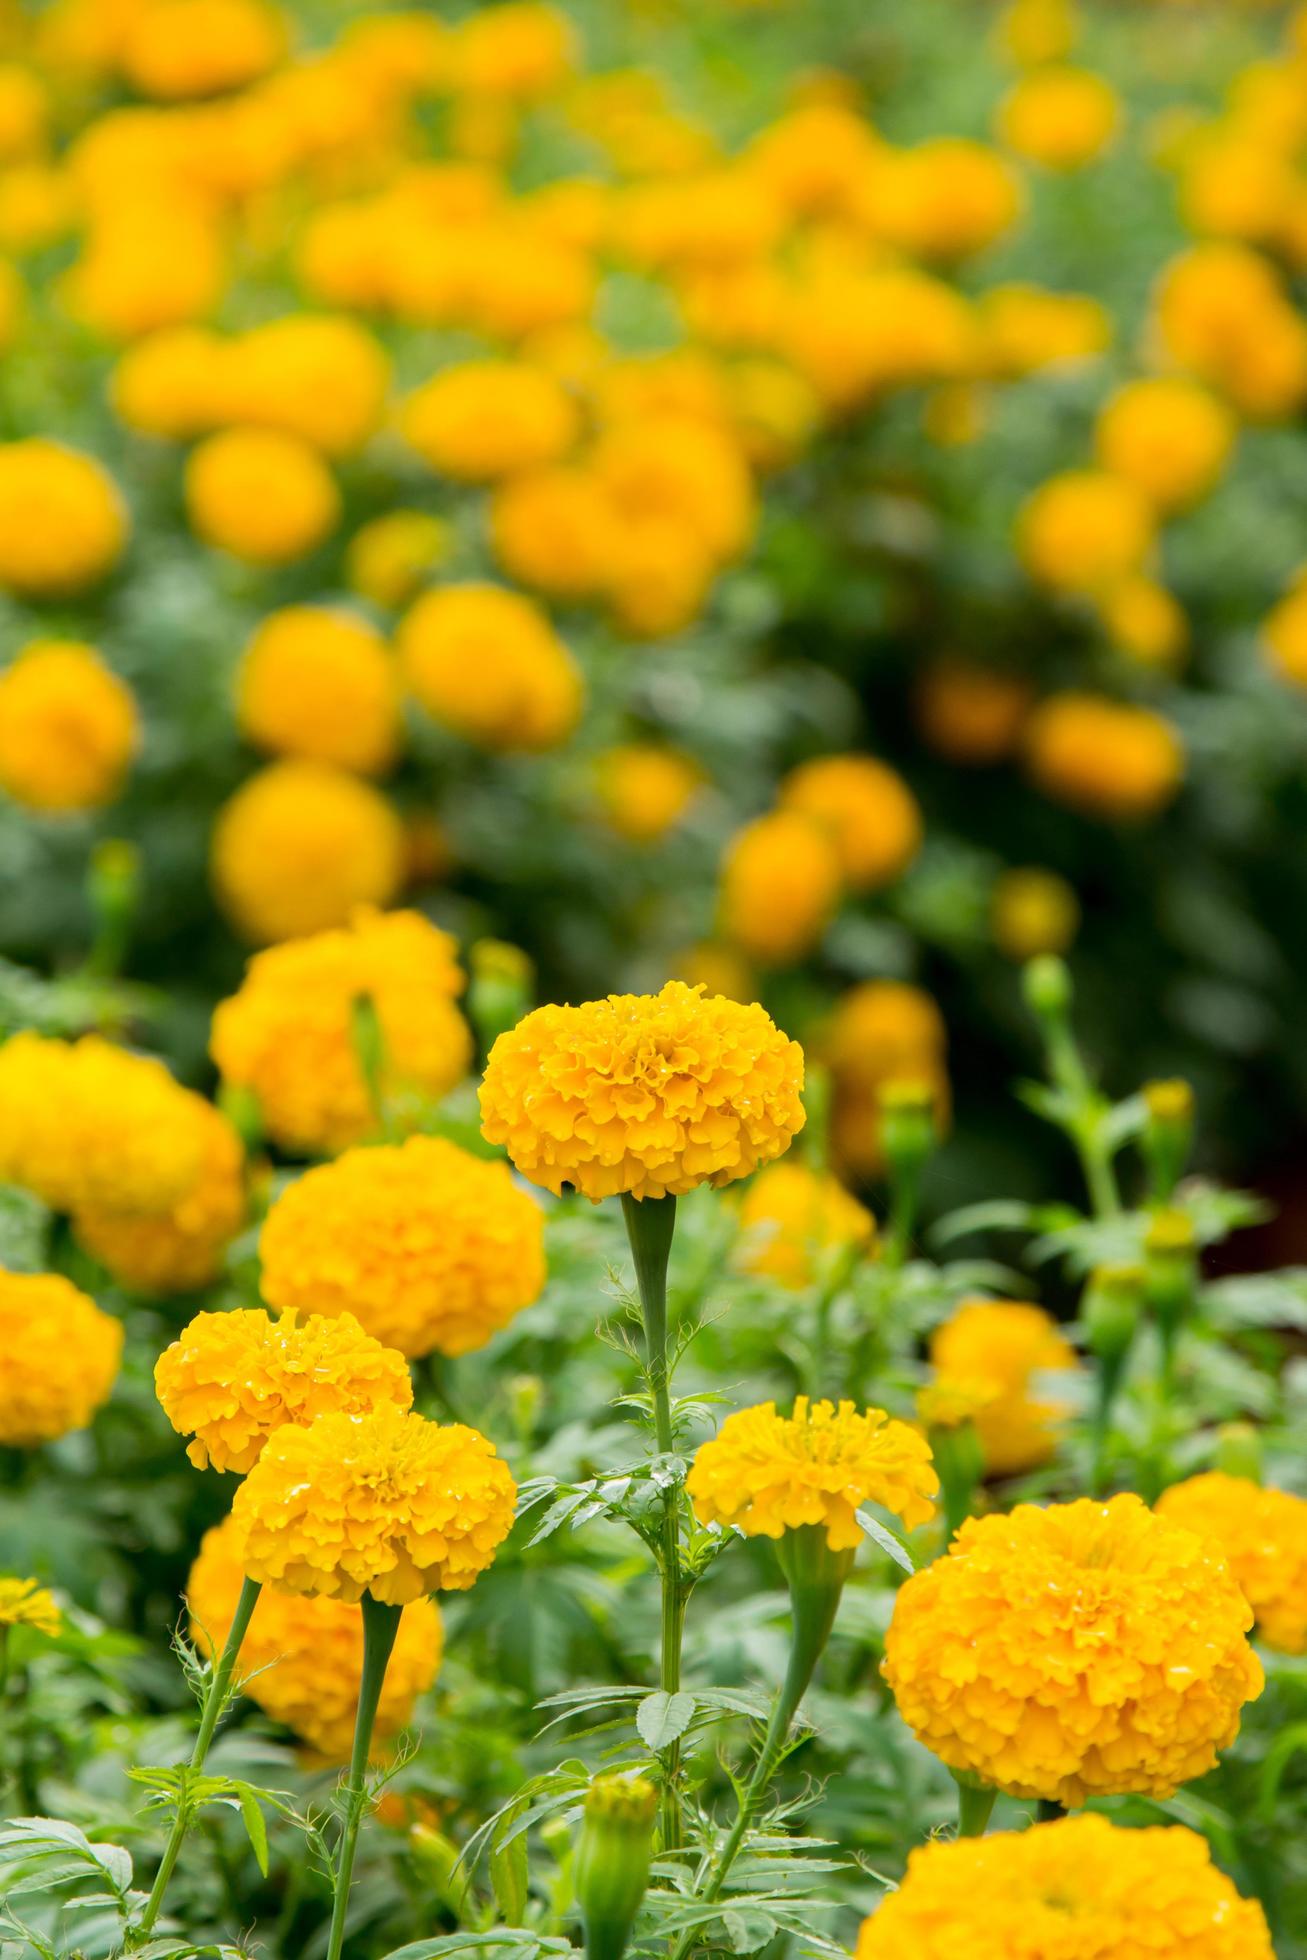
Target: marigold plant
<point>1263,1534</point>
<point>61,1358</point>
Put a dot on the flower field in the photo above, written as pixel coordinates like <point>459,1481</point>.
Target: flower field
<point>652,759</point>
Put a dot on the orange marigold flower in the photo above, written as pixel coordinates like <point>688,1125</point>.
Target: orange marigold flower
<point>1084,531</point>
<point>972,715</point>
<point>780,886</point>
<point>487,663</point>
<point>63,523</point>
<point>768,1473</point>
<point>866,808</point>
<point>1263,1533</point>
<point>1000,1348</point>
<point>645,1094</point>
<point>262,495</point>
<point>793,1221</point>
<point>68,728</point>
<point>387,1503</point>
<point>487,419</point>
<point>61,1358</point>
<point>430,1247</point>
<point>179,1248</point>
<point>1107,758</point>
<point>321,683</point>
<point>1088,1649</point>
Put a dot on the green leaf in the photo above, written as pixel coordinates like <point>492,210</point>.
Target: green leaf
<point>509,1874</point>
<point>747,1931</point>
<point>256,1828</point>
<point>888,1541</point>
<point>661,1718</point>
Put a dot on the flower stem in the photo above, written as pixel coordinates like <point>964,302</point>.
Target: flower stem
<point>650,1223</point>
<point>210,1710</point>
<point>975,1807</point>
<point>380,1625</point>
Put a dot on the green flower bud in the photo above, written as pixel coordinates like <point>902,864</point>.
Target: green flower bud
<point>1239,1451</point>
<point>113,886</point>
<point>1112,1304</point>
<point>907,1127</point>
<point>611,1869</point>
<point>1170,1268</point>
<point>1168,1134</point>
<point>1046,983</point>
<point>500,991</point>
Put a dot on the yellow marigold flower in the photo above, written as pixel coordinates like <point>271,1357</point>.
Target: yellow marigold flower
<point>944,200</point>
<point>1004,1346</point>
<point>319,379</point>
<point>854,334</point>
<point>1085,530</point>
<point>1284,635</point>
<point>180,1248</point>
<point>24,112</point>
<point>972,715</point>
<point>232,1380</point>
<point>61,1358</point>
<point>1061,117</point>
<point>1263,1534</point>
<point>36,207</point>
<point>25,1604</point>
<point>1169,436</point>
<point>68,728</point>
<point>487,663</point>
<point>1088,1649</point>
<point>1078,1888</point>
<point>390,558</point>
<point>431,1248</point>
<point>1032,32</point>
<point>287,1035</point>
<point>1028,328</point>
<point>947,1404</point>
<point>1031,912</point>
<point>1222,312</point>
<point>322,684</point>
<point>717,969</point>
<point>867,809</point>
<point>793,1220</point>
<point>63,523</point>
<point>781,882</point>
<point>768,1473</point>
<point>519,49</point>
<point>1107,758</point>
<point>646,1094</point>
<point>882,1032</point>
<point>385,1503</point>
<point>172,383</point>
<point>176,50</point>
<point>1237,186</point>
<point>644,790</point>
<point>486,419</point>
<point>556,531</point>
<point>659,577</point>
<point>84,1123</point>
<point>302,1656</point>
<point>260,494</point>
<point>679,470</point>
<point>299,847</point>
<point>1146,622</point>
<point>151,258</point>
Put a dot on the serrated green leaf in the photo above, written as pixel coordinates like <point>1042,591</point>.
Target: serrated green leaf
<point>661,1718</point>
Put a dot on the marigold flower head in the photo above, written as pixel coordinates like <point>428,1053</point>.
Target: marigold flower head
<point>866,808</point>
<point>61,1358</point>
<point>180,1247</point>
<point>793,1220</point>
<point>1084,531</point>
<point>1169,436</point>
<point>385,1503</point>
<point>555,530</point>
<point>1088,1649</point>
<point>390,558</point>
<point>25,1604</point>
<point>302,1656</point>
<point>1033,911</point>
<point>1146,622</point>
<point>781,882</point>
<point>172,383</point>
<point>970,714</point>
<point>645,1094</point>
<point>884,1031</point>
<point>321,683</point>
<point>260,494</point>
<point>63,523</point>
<point>683,471</point>
<point>177,50</point>
<point>1223,313</point>
<point>1001,1346</point>
<point>1284,635</point>
<point>1107,758</point>
<point>1061,117</point>
<point>232,1380</point>
<point>431,1248</point>
<point>487,663</point>
<point>942,200</point>
<point>87,1124</point>
<point>319,379</point>
<point>486,419</point>
<point>521,49</point>
<point>644,790</point>
<point>1263,1534</point>
<point>299,847</point>
<point>1079,1889</point>
<point>68,728</point>
<point>1028,328</point>
<point>769,1473</point>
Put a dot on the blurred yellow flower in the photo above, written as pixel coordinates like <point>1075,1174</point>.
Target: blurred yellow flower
<point>180,1246</point>
<point>61,1358</point>
<point>25,1604</point>
<point>972,715</point>
<point>867,810</point>
<point>555,530</point>
<point>1002,1347</point>
<point>1084,531</point>
<point>1060,117</point>
<point>172,383</point>
<point>793,1221</point>
<point>644,789</point>
<point>1169,436</point>
<point>68,728</point>
<point>176,50</point>
<point>1107,758</point>
<point>1263,1534</point>
<point>322,684</point>
<point>63,523</point>
<point>780,886</point>
<point>390,558</point>
<point>1028,328</point>
<point>488,664</point>
<point>319,379</point>
<point>483,420</point>
<point>260,494</point>
<point>1145,621</point>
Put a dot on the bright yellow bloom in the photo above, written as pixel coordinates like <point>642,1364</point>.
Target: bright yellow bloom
<point>387,1503</point>
<point>1032,32</point>
<point>176,50</point>
<point>172,383</point>
<point>1263,1534</point>
<point>262,495</point>
<point>972,715</point>
<point>63,523</point>
<point>321,380</point>
<point>1033,911</point>
<point>1089,1649</point>
<point>487,663</point>
<point>1222,312</point>
<point>781,883</point>
<point>1003,1346</point>
<point>322,684</point>
<point>1146,622</point>
<point>881,1033</point>
<point>1106,758</point>
<point>1079,1889</point>
<point>1284,634</point>
<point>61,1358</point>
<point>85,1123</point>
<point>854,334</point>
<point>1061,117</point>
<point>646,1094</point>
<point>644,790</point>
<point>769,1474</point>
<point>487,419</point>
<point>1083,531</point>
<point>1027,328</point>
<point>299,847</point>
<point>25,1604</point>
<point>556,531</point>
<point>868,810</point>
<point>152,258</point>
<point>24,112</point>
<point>680,470</point>
<point>520,49</point>
<point>232,1380</point>
<point>1168,436</point>
<point>287,1037</point>
<point>180,1247</point>
<point>793,1221</point>
<point>302,1657</point>
<point>944,200</point>
<point>430,1247</point>
<point>390,558</point>
<point>68,728</point>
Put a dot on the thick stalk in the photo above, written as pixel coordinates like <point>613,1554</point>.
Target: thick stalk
<point>650,1223</point>
<point>975,1808</point>
<point>380,1625</point>
<point>210,1710</point>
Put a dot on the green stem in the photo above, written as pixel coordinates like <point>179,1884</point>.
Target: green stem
<point>975,1808</point>
<point>1099,1175</point>
<point>214,1701</point>
<point>897,1242</point>
<point>380,1625</point>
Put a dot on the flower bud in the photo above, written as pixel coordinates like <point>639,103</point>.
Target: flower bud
<point>1168,1134</point>
<point>500,992</point>
<point>525,1395</point>
<point>1239,1451</point>
<point>611,1871</point>
<point>907,1126</point>
<point>1046,983</point>
<point>1110,1311</point>
<point>113,886</point>
<point>1170,1269</point>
